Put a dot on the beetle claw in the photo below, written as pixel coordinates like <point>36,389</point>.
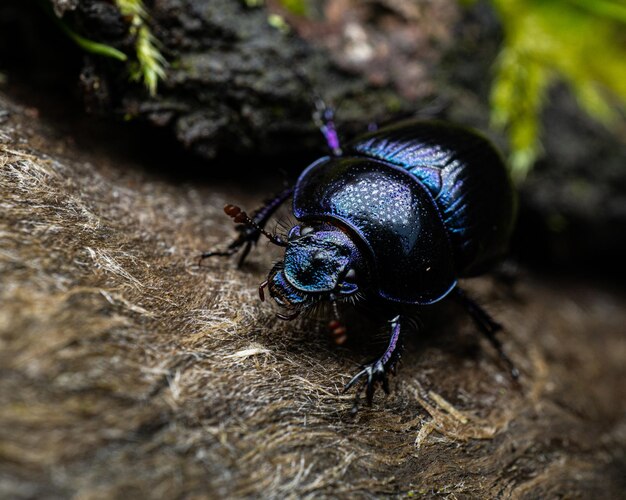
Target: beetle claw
<point>372,373</point>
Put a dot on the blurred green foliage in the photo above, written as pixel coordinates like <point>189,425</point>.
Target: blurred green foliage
<point>580,42</point>
<point>296,7</point>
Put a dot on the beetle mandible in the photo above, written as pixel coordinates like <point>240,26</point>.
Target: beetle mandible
<point>395,218</point>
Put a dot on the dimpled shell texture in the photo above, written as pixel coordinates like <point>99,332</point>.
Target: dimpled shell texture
<point>392,214</point>
<point>465,175</point>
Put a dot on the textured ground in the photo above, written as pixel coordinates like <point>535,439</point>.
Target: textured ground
<point>128,371</point>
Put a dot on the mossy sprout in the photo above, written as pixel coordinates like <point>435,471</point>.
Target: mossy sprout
<point>150,65</point>
<point>86,44</point>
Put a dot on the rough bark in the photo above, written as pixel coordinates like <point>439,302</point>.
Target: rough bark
<point>235,83</point>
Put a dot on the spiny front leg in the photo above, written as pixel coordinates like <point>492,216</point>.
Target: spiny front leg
<point>248,236</point>
<point>249,233</point>
<point>376,371</point>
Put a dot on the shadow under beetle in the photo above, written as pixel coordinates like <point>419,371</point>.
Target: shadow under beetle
<point>394,218</point>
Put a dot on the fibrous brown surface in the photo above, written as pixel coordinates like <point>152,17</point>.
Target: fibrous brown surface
<point>130,371</point>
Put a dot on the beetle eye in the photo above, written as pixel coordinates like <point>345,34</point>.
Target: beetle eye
<point>350,276</point>
<point>305,230</point>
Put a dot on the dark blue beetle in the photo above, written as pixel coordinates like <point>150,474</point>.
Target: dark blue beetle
<point>394,219</point>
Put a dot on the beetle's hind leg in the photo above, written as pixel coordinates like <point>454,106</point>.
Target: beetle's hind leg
<point>487,326</point>
<point>249,233</point>
<point>376,371</point>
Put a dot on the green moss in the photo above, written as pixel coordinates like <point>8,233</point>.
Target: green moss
<point>278,22</point>
<point>394,103</point>
<point>150,65</point>
<point>579,42</point>
<point>296,7</point>
<point>87,45</point>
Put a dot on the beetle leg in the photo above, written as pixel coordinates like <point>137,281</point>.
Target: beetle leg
<point>246,250</point>
<point>324,118</point>
<point>248,234</point>
<point>377,370</point>
<point>488,327</point>
<point>290,316</point>
<point>262,287</point>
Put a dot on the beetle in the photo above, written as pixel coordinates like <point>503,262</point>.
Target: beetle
<point>394,218</point>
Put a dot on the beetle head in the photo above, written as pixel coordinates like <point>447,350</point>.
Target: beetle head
<point>320,263</point>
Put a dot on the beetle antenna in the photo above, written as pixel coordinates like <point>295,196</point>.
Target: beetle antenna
<point>241,217</point>
<point>324,118</point>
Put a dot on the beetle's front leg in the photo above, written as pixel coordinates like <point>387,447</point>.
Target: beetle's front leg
<point>377,370</point>
<point>249,234</point>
